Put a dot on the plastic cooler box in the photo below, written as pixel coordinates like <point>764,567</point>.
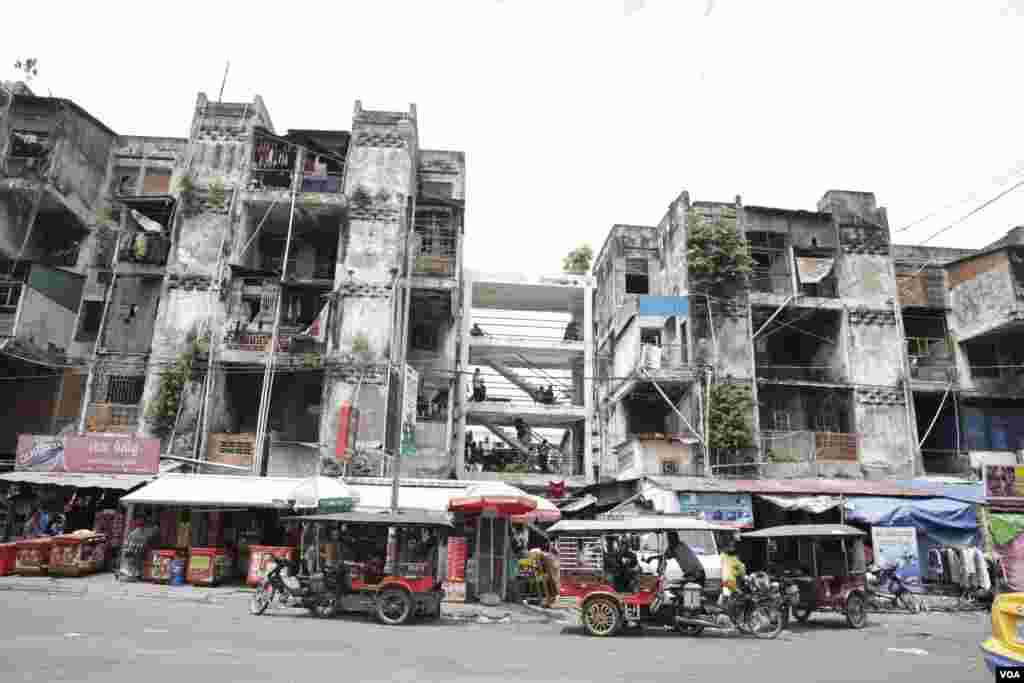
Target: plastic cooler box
<point>8,558</point>
<point>77,556</point>
<point>206,566</point>
<point>33,556</point>
<point>259,561</point>
<point>157,567</point>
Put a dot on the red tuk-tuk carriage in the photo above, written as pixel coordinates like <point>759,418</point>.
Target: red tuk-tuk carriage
<point>608,601</point>
<point>352,574</point>
<point>821,567</point>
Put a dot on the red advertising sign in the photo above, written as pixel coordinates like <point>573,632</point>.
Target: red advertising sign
<point>92,453</point>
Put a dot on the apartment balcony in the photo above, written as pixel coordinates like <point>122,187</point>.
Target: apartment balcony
<point>504,411</point>
<point>251,347</point>
<point>113,418</point>
<point>769,371</point>
<point>143,253</point>
<point>511,349</point>
<point>931,359</point>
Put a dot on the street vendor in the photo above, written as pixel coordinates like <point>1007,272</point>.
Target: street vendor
<point>546,566</point>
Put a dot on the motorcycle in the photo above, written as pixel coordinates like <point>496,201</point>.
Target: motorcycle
<point>755,608</point>
<point>319,593</point>
<point>886,584</point>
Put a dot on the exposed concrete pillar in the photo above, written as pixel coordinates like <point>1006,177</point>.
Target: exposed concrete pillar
<point>588,380</point>
<point>461,378</point>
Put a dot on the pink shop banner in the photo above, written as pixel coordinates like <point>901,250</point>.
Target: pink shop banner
<point>88,453</point>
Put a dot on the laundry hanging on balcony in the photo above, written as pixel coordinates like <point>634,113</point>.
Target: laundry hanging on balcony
<point>813,270</point>
<point>318,328</point>
<point>147,224</point>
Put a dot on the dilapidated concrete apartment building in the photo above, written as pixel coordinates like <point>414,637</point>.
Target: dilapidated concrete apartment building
<point>140,269</point>
<point>862,358</point>
<point>144,279</point>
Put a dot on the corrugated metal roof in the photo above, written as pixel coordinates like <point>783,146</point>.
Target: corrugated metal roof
<point>805,530</point>
<point>404,517</point>
<point>637,524</point>
<point>807,487</point>
<point>120,482</point>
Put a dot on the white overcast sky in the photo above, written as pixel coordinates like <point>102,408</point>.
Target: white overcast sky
<point>578,114</point>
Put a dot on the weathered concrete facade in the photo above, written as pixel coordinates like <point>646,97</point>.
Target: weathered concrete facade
<point>813,333</point>
<point>964,338</point>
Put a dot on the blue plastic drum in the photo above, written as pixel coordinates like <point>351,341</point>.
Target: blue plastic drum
<point>177,572</point>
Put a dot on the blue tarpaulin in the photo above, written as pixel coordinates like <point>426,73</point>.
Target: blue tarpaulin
<point>942,521</point>
<point>967,493</point>
<point>664,305</point>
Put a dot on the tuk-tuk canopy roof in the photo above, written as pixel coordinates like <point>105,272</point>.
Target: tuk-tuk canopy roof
<point>805,530</point>
<point>631,525</point>
<point>387,518</point>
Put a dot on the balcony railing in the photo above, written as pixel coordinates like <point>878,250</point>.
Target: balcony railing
<point>145,248</point>
<point>435,257</point>
<point>113,417</point>
<point>931,359</point>
<point>10,294</point>
<point>261,342</point>
<point>798,373</point>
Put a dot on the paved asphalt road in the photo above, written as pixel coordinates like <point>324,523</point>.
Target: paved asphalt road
<point>138,640</point>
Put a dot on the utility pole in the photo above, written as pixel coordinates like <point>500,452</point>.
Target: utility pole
<point>396,464</point>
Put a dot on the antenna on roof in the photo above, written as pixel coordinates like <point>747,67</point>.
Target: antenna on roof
<point>220,97</point>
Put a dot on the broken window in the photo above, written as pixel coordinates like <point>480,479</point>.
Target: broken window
<point>89,321</point>
<point>125,390</point>
<point>637,279</point>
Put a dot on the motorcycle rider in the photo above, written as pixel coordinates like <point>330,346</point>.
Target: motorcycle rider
<point>689,565</point>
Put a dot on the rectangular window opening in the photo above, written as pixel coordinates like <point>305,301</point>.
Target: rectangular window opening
<point>125,390</point>
<point>89,324</point>
<point>637,278</point>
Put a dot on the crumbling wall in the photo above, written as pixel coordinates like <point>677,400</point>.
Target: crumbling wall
<point>886,446</point>
<point>132,314</point>
<point>875,346</point>
<point>80,172</point>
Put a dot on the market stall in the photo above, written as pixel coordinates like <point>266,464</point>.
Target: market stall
<point>226,528</point>
<point>483,518</point>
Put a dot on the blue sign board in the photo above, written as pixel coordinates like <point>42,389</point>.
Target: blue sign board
<point>664,306</point>
<point>733,509</point>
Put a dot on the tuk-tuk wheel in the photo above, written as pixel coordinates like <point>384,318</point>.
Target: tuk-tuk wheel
<point>602,617</point>
<point>394,606</point>
<point>856,611</point>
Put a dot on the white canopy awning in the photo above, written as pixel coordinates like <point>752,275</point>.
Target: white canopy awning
<point>214,490</point>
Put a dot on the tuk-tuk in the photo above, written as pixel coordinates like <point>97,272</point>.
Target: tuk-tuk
<point>825,562</point>
<point>1005,649</point>
<point>395,590</point>
<point>609,597</point>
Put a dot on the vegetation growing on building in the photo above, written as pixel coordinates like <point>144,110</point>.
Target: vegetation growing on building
<point>729,417</point>
<point>217,196</point>
<point>716,252</point>
<point>163,412</point>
